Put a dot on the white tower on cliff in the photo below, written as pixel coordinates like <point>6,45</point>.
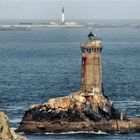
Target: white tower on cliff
<point>62,16</point>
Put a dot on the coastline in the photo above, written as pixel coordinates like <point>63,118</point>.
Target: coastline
<point>29,26</point>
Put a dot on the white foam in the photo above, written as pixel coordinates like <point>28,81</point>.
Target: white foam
<point>21,133</point>
<point>16,120</point>
<point>13,128</point>
<point>78,132</point>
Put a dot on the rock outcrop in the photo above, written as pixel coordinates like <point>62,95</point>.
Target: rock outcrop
<point>5,132</point>
<point>76,113</point>
<point>70,113</point>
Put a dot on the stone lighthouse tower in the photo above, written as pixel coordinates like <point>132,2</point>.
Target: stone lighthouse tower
<point>91,71</point>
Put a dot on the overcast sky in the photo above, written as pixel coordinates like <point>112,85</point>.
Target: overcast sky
<point>74,9</point>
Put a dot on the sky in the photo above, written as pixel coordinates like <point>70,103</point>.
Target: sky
<point>74,9</point>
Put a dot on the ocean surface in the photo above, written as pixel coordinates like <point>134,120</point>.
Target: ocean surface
<point>41,64</point>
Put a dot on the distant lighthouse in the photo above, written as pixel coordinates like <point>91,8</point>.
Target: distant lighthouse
<point>62,16</point>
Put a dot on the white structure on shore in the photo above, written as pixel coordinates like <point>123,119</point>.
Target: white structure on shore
<point>62,16</point>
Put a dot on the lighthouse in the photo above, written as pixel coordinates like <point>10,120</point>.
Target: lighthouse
<point>62,16</point>
<point>91,70</point>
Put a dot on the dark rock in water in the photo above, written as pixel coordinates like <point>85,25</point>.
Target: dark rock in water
<point>5,132</point>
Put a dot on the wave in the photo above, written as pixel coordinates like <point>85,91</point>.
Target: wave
<point>12,108</point>
<point>127,104</point>
<point>128,101</point>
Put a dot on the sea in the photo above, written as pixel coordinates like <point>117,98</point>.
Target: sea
<point>45,63</point>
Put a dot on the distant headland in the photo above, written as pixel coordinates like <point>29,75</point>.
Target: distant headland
<point>62,23</point>
<point>28,26</point>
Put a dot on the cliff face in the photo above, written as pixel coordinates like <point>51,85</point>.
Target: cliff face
<point>5,132</point>
<point>70,113</point>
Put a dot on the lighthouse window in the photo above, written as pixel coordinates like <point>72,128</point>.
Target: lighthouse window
<point>89,50</point>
